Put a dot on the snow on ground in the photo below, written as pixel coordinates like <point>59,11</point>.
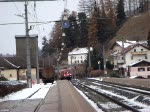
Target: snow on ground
<point>146,108</point>
<point>42,92</point>
<point>94,105</point>
<point>25,93</point>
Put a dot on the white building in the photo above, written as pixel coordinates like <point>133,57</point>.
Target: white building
<point>77,56</point>
<point>131,53</point>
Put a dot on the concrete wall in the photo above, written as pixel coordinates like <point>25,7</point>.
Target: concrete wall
<point>127,81</point>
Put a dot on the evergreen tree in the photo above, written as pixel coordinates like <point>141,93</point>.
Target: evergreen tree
<point>72,33</point>
<point>120,12</point>
<point>83,26</point>
<point>45,46</point>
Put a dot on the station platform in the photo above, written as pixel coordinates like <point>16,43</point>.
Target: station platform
<point>63,97</point>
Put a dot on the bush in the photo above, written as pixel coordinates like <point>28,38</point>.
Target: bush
<point>113,74</point>
<point>7,87</point>
<point>3,79</point>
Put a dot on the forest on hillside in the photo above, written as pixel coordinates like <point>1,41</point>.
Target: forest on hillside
<point>94,25</point>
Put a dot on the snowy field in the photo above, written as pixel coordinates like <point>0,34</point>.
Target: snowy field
<point>40,91</point>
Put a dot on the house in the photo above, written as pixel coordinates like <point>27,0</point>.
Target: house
<point>129,53</point>
<point>14,68</point>
<point>77,56</point>
<point>141,68</point>
<point>117,52</point>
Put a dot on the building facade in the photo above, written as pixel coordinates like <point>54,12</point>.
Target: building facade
<point>77,56</point>
<point>21,47</point>
<point>131,53</point>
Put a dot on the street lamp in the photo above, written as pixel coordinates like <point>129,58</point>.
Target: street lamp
<point>99,67</point>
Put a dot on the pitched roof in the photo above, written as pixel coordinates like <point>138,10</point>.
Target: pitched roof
<point>140,62</point>
<point>133,46</point>
<point>126,44</point>
<point>79,51</point>
<point>12,62</point>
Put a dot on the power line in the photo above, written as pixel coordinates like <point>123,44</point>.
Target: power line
<point>47,22</point>
<point>17,8</point>
<point>23,0</point>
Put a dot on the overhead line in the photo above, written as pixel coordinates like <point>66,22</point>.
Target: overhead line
<point>47,22</point>
<point>29,22</point>
<point>24,0</point>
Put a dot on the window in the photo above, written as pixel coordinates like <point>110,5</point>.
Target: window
<point>81,61</point>
<point>148,68</point>
<point>141,69</point>
<point>145,57</point>
<point>134,50</point>
<point>141,49</point>
<point>81,57</point>
<point>10,75</point>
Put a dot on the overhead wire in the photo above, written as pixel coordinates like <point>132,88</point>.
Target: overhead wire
<point>17,7</point>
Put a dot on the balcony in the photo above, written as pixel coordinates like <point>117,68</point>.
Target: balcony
<point>139,53</point>
<point>120,61</point>
<point>115,68</point>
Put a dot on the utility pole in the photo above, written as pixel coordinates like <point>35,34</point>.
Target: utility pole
<point>104,61</point>
<point>29,77</point>
<point>28,72</point>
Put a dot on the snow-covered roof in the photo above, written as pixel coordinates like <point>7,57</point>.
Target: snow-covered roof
<point>79,51</point>
<point>126,44</point>
<point>137,62</point>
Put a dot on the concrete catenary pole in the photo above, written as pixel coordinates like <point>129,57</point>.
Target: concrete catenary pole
<point>29,77</point>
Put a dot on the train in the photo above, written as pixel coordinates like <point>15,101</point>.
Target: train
<point>48,74</point>
<point>66,73</point>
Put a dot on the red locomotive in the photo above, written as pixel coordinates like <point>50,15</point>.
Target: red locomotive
<point>66,73</point>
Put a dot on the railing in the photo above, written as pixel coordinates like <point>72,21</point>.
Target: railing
<point>139,53</point>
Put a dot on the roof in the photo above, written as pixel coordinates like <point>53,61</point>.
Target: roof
<point>133,46</point>
<point>128,43</point>
<point>140,62</point>
<point>12,62</point>
<point>79,51</point>
<point>24,36</point>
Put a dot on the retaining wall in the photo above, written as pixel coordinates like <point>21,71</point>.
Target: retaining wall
<point>127,81</point>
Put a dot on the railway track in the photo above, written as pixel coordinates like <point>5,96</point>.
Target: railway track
<point>144,91</point>
<point>105,91</point>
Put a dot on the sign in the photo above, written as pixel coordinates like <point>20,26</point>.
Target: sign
<point>65,24</point>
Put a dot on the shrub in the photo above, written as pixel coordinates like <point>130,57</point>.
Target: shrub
<point>113,74</point>
<point>3,79</point>
<point>7,87</point>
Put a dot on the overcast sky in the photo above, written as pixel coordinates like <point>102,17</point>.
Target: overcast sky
<point>46,11</point>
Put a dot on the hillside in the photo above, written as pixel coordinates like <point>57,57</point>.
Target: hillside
<point>135,28</point>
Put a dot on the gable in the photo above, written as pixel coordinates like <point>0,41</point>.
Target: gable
<point>141,63</point>
<point>138,48</point>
